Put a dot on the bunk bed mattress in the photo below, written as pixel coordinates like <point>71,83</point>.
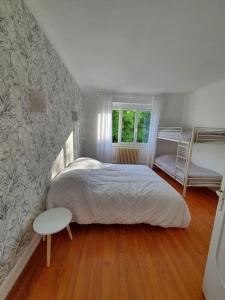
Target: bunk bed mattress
<point>185,135</point>
<point>117,194</point>
<point>167,162</point>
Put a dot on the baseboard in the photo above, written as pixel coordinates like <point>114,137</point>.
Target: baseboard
<point>18,268</point>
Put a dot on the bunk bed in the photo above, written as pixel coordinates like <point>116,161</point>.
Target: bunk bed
<point>179,165</point>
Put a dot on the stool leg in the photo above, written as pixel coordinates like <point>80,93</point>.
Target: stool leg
<point>43,238</point>
<point>48,250</point>
<point>69,232</point>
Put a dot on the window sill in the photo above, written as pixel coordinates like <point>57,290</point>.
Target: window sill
<point>130,145</point>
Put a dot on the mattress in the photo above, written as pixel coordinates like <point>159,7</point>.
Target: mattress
<point>117,194</point>
<point>168,161</point>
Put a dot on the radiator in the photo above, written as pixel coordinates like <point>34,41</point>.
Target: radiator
<point>127,156</point>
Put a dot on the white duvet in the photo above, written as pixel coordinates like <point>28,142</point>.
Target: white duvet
<point>117,194</point>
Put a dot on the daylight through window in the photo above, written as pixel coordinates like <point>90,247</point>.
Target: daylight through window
<point>130,125</point>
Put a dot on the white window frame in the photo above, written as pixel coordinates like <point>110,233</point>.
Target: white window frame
<point>136,108</point>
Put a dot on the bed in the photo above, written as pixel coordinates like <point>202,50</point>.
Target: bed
<point>167,162</point>
<point>201,134</point>
<point>174,134</point>
<point>180,166</point>
<point>102,193</point>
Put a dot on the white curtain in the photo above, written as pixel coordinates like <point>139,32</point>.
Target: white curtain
<point>104,135</point>
<point>152,141</point>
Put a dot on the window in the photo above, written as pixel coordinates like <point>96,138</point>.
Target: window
<point>131,124</point>
<point>115,125</point>
<point>128,121</point>
<point>143,126</point>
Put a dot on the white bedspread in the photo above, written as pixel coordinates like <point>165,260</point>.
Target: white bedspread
<point>117,194</point>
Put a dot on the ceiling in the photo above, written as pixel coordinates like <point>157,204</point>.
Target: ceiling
<point>137,46</point>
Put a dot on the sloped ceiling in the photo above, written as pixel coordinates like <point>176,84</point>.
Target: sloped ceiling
<point>137,46</point>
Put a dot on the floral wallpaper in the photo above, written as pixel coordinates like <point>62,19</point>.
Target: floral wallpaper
<point>30,142</point>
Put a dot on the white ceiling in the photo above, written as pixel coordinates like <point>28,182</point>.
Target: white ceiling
<point>137,46</point>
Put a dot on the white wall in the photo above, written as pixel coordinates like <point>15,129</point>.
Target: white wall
<point>171,115</point>
<point>90,104</point>
<point>206,107</point>
<point>172,110</point>
<point>91,101</point>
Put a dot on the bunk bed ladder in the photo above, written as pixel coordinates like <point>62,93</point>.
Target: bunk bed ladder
<point>182,154</point>
<point>188,161</point>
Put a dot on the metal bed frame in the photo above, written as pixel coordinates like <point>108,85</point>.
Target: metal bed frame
<point>205,135</point>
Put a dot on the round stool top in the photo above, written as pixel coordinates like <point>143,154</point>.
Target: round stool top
<point>52,220</point>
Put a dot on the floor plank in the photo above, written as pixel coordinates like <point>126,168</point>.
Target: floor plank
<point>117,262</point>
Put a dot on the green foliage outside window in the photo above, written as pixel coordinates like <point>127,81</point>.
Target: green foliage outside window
<point>115,124</point>
<point>128,126</point>
<point>143,126</point>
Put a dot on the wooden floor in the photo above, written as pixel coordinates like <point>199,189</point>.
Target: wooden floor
<point>105,262</point>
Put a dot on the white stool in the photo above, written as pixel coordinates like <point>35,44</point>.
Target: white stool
<point>52,221</point>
